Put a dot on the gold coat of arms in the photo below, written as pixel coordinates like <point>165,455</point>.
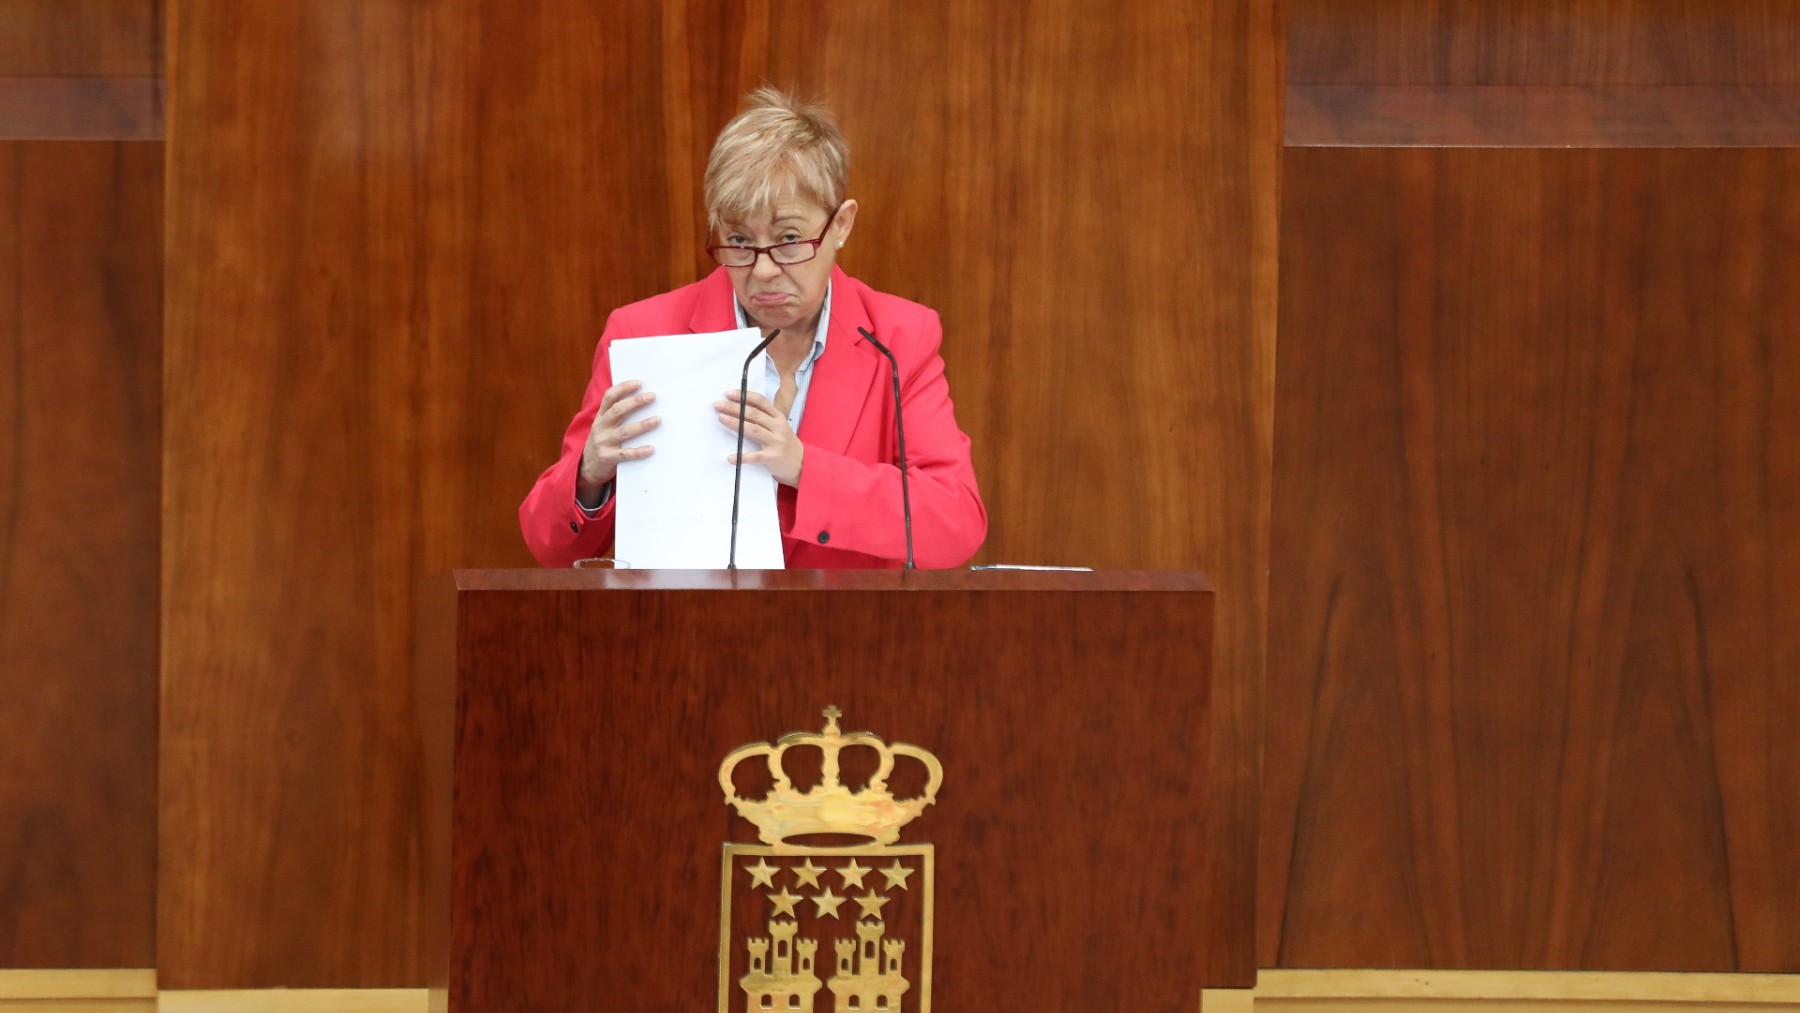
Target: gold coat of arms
<point>831,927</point>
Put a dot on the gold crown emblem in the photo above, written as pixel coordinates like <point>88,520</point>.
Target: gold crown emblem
<point>829,807</point>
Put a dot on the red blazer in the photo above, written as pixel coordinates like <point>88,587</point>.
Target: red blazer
<point>846,512</point>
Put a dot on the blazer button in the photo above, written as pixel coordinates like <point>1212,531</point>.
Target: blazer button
<point>575,527</point>
<point>824,536</point>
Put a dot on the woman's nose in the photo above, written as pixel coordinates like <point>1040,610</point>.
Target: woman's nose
<point>765,267</point>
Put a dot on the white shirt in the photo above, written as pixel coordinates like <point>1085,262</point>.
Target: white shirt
<point>803,375</point>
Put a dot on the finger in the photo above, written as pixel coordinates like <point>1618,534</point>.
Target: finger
<point>617,391</point>
<point>752,413</point>
<point>753,457</point>
<point>732,407</point>
<point>635,453</point>
<point>623,409</point>
<point>752,430</point>
<point>637,429</point>
<point>753,399</point>
<point>728,414</point>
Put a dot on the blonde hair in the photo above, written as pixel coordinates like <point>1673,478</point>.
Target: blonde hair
<point>777,148</point>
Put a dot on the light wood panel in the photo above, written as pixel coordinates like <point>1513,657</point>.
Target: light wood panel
<point>1536,536</point>
<point>80,309</point>
<point>1544,990</point>
<point>1544,42</point>
<point>118,985</point>
<point>296,1000</point>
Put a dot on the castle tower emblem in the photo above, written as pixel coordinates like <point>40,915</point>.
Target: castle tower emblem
<point>785,900</point>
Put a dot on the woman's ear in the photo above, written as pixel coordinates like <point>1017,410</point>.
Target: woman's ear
<point>844,222</point>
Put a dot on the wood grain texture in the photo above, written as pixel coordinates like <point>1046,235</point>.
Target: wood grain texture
<point>80,322</point>
<point>1536,538</point>
<point>1085,191</point>
<point>65,985</point>
<point>1071,725</point>
<point>1544,42</point>
<point>296,1000</point>
<point>394,238</point>
<point>81,70</point>
<point>1542,990</point>
<point>81,38</point>
<point>1553,117</point>
<point>80,108</point>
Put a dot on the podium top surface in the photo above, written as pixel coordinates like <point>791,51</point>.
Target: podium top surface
<point>830,580</point>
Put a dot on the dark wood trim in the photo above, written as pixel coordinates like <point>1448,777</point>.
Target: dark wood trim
<point>1543,117</point>
<point>81,109</point>
<point>830,580</point>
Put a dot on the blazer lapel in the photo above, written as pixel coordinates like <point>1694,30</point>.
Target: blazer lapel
<point>712,310</point>
<point>843,375</point>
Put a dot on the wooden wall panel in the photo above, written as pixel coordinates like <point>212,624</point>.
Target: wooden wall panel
<point>80,320</point>
<point>394,237</point>
<point>1544,42</point>
<point>80,69</point>
<point>1085,191</point>
<point>80,38</point>
<point>1536,539</point>
<point>1543,117</point>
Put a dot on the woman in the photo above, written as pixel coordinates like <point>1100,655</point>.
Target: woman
<point>824,416</point>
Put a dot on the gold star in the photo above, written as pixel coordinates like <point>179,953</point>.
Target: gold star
<point>871,904</point>
<point>762,873</point>
<point>808,874</point>
<point>828,904</point>
<point>784,902</point>
<point>852,873</point>
<point>896,875</point>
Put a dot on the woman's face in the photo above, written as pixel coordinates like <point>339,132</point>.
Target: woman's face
<point>787,296</point>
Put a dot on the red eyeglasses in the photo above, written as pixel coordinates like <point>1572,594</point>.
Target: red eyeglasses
<point>797,252</point>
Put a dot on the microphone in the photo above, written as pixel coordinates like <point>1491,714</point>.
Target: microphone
<point>900,430</point>
<point>737,471</point>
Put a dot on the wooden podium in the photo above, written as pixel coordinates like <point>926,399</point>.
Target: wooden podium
<point>574,722</point>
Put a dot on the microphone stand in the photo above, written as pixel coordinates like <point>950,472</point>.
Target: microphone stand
<point>900,430</point>
<point>737,471</point>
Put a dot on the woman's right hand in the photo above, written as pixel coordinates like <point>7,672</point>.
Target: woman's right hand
<point>600,458</point>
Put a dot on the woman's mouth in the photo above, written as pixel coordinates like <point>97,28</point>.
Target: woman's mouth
<point>768,298</point>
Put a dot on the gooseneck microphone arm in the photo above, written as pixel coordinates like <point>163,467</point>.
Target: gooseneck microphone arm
<point>737,471</point>
<point>900,432</point>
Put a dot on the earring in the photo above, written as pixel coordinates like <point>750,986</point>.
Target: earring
<point>840,246</point>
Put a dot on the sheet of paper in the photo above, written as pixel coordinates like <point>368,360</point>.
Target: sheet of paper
<point>674,507</point>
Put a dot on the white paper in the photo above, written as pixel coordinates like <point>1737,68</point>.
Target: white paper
<point>674,507</point>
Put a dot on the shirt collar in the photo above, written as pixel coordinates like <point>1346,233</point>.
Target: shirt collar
<point>818,347</point>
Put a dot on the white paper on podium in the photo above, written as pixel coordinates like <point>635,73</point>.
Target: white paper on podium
<point>674,507</point>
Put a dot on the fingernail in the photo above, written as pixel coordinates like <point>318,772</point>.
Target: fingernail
<point>649,398</point>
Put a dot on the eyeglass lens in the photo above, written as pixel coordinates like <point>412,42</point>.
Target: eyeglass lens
<point>786,253</point>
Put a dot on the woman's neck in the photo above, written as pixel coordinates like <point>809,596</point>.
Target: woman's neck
<point>795,339</point>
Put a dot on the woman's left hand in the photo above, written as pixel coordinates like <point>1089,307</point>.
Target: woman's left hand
<point>781,450</point>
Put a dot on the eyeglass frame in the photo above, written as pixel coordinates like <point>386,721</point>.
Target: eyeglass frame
<point>758,251</point>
